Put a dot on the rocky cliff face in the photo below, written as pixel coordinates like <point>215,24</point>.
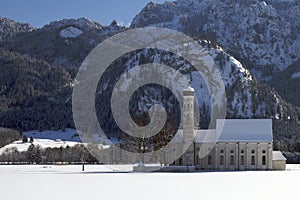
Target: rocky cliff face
<point>10,28</point>
<point>263,35</point>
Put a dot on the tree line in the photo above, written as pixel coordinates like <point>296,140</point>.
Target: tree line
<point>37,155</point>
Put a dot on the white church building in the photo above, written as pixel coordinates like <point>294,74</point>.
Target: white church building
<point>235,144</point>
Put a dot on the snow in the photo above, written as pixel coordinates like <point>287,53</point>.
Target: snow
<point>70,32</point>
<point>68,182</point>
<point>81,22</point>
<point>258,130</point>
<point>277,155</point>
<point>231,22</point>
<point>53,139</point>
<point>43,143</point>
<point>296,75</point>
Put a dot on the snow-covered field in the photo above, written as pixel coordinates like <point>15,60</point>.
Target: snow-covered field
<point>43,143</point>
<point>50,139</point>
<point>68,182</point>
<point>45,139</point>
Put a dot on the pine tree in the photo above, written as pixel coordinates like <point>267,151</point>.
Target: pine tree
<point>31,139</point>
<point>37,154</point>
<point>25,139</point>
<point>30,154</point>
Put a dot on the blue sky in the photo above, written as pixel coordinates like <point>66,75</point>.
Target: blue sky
<point>41,12</point>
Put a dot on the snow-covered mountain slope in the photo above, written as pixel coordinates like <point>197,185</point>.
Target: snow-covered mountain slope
<point>70,32</point>
<point>247,97</point>
<point>255,32</point>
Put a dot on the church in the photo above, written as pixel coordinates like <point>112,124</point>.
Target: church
<point>235,144</point>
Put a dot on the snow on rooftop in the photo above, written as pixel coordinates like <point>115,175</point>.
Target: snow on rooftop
<point>199,136</point>
<point>70,32</point>
<point>205,135</point>
<point>247,130</point>
<point>277,155</point>
<point>178,136</point>
<point>235,130</point>
<point>189,89</point>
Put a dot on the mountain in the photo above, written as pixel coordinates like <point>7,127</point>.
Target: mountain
<point>62,43</point>
<point>241,36</point>
<point>38,69</point>
<point>253,31</point>
<point>32,93</point>
<point>10,28</point>
<point>247,97</point>
<point>263,35</point>
<point>48,46</point>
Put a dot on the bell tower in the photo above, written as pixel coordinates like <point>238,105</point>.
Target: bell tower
<point>188,126</point>
<point>188,114</point>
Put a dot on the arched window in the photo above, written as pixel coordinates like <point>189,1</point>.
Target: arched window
<point>209,160</point>
<point>221,160</point>
<point>180,161</point>
<point>253,151</point>
<point>252,160</point>
<point>242,160</point>
<point>263,160</point>
<point>263,151</point>
<point>242,151</point>
<point>231,160</point>
<point>221,151</point>
<point>197,160</point>
<point>231,151</point>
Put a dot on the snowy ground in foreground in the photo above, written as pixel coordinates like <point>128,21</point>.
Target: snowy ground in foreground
<point>68,182</point>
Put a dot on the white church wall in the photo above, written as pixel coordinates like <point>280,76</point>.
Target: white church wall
<point>234,156</point>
